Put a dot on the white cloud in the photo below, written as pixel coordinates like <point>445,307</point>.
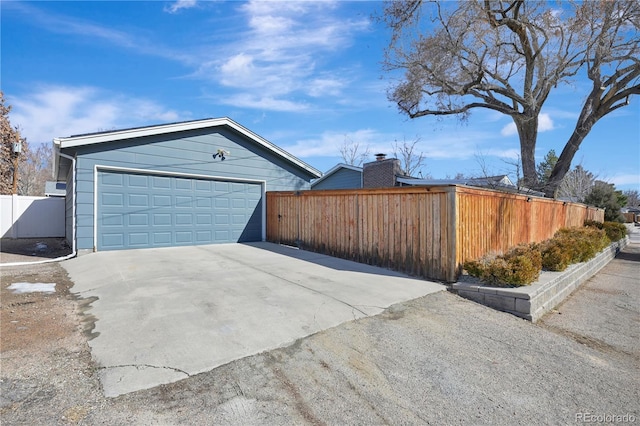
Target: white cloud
<point>62,24</point>
<point>57,111</point>
<point>180,4</point>
<point>280,55</point>
<point>250,100</point>
<point>545,123</point>
<point>626,179</point>
<point>329,142</point>
<point>320,87</point>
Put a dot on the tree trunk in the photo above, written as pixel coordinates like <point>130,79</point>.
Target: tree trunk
<point>564,161</point>
<point>528,132</point>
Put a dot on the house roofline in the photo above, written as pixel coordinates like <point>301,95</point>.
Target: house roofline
<point>333,170</point>
<point>137,132</point>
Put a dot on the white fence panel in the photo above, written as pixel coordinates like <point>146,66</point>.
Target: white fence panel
<point>31,217</point>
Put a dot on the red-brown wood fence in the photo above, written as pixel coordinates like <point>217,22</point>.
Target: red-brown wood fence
<point>424,231</point>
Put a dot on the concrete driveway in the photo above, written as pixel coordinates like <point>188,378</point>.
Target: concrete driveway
<point>162,315</point>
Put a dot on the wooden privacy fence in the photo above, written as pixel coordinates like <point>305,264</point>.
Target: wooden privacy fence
<point>424,231</point>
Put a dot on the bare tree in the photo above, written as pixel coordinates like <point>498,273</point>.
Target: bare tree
<point>633,198</point>
<point>508,56</point>
<point>36,170</point>
<point>576,185</point>
<point>411,160</point>
<point>353,153</point>
<point>9,135</point>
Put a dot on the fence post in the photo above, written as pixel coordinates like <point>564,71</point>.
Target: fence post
<point>452,267</point>
<point>15,213</point>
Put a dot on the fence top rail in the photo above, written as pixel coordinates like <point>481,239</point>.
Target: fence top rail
<point>461,189</point>
<point>374,191</point>
<point>432,189</point>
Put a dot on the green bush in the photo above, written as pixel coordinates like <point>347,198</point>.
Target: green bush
<point>556,255</point>
<point>615,230</point>
<point>519,266</point>
<point>522,264</point>
<point>584,242</point>
<point>572,245</point>
<point>594,224</point>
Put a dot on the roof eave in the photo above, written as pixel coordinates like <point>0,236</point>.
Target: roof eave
<point>333,170</point>
<point>75,141</point>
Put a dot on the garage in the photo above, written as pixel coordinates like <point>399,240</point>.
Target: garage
<point>137,210</point>
<point>177,184</point>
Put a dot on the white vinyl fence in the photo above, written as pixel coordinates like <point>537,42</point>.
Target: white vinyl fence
<point>31,217</point>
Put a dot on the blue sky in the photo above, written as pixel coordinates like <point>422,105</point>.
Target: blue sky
<point>306,76</point>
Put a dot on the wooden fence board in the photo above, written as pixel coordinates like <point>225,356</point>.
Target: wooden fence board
<point>424,231</point>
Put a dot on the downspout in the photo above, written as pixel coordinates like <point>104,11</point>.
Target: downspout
<point>73,202</point>
<point>73,223</point>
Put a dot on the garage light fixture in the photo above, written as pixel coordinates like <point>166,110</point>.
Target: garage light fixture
<point>221,153</point>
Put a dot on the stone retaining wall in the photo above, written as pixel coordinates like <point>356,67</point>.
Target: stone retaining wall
<point>533,301</point>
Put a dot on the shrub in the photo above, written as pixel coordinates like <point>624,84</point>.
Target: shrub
<point>585,242</point>
<point>594,224</point>
<point>615,231</point>
<point>519,266</point>
<point>572,245</point>
<point>556,255</point>
<point>522,264</point>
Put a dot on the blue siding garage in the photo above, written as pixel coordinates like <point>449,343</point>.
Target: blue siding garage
<point>176,184</point>
<point>137,210</point>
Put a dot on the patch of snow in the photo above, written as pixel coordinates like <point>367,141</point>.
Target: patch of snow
<point>41,246</point>
<point>33,287</point>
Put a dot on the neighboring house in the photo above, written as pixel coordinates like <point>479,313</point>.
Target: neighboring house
<point>55,189</point>
<point>188,183</point>
<point>342,176</point>
<point>500,183</point>
<point>486,182</point>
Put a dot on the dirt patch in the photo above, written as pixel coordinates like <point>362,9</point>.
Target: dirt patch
<point>32,249</point>
<point>46,363</point>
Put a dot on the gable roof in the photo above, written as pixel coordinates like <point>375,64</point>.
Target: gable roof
<point>334,170</point>
<point>160,129</point>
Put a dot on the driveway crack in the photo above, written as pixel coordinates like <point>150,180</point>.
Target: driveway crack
<point>296,284</point>
<point>141,366</point>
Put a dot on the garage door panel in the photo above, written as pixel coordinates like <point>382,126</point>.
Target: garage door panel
<point>139,239</point>
<point>159,182</point>
<point>113,199</point>
<point>153,211</point>
<point>161,201</point>
<point>184,219</point>
<point>161,238</point>
<point>204,219</point>
<point>113,180</point>
<point>140,181</point>
<point>138,200</point>
<point>162,219</point>
<point>183,202</point>
<point>184,184</point>
<point>138,219</point>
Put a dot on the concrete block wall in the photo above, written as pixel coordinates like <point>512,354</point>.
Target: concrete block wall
<point>533,301</point>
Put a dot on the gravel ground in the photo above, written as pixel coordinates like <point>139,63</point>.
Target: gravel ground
<point>439,359</point>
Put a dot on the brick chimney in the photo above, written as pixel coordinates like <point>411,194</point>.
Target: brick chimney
<point>381,173</point>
